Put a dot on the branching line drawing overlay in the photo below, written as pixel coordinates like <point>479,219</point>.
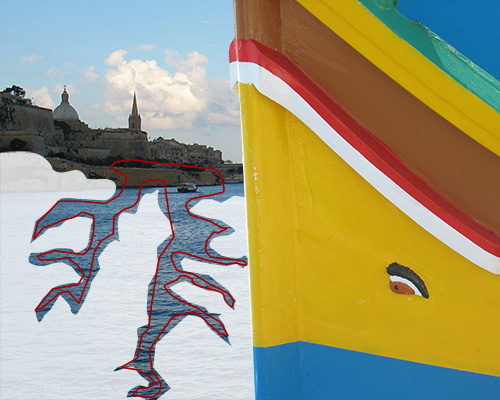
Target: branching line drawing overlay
<point>165,308</point>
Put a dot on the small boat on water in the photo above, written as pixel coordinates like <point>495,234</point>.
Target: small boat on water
<point>187,187</point>
<point>372,182</point>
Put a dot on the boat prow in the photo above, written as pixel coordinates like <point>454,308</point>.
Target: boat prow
<point>372,187</point>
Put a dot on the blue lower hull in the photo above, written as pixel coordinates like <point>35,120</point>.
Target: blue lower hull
<point>303,370</point>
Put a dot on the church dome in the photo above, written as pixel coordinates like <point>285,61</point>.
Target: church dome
<point>64,111</point>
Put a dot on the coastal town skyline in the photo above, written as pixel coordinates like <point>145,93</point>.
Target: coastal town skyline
<point>173,57</point>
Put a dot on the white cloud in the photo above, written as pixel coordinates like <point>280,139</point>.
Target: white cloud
<point>182,99</point>
<point>224,106</point>
<point>90,74</point>
<point>145,47</point>
<point>42,98</point>
<point>31,58</point>
<point>55,73</point>
<point>116,58</point>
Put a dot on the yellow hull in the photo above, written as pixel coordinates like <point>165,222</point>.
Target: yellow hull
<point>320,239</point>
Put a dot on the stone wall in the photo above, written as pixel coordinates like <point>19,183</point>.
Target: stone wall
<point>96,145</point>
<point>34,129</point>
<point>89,154</point>
<point>33,118</point>
<point>136,176</point>
<point>26,140</point>
<point>23,126</point>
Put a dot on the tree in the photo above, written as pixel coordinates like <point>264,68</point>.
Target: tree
<point>16,91</point>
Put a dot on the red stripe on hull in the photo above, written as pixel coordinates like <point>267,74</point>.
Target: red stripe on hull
<point>374,150</point>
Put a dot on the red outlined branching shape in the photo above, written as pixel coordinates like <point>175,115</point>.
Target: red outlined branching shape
<point>191,235</point>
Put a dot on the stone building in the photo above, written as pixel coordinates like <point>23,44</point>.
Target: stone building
<point>64,111</point>
<point>170,150</point>
<point>201,154</point>
<point>61,133</point>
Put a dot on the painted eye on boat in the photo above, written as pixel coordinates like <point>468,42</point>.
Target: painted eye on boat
<point>404,281</point>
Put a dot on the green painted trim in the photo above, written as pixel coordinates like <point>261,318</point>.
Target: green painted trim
<point>448,59</point>
<point>386,4</point>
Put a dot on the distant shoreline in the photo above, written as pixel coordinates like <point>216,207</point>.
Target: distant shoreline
<point>173,176</point>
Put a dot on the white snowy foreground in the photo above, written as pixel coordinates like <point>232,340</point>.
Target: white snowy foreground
<point>70,356</point>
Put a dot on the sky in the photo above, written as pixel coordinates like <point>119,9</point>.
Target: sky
<point>173,54</point>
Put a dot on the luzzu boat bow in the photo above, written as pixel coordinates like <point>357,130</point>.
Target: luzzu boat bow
<point>372,170</point>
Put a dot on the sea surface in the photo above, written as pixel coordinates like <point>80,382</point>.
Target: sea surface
<point>67,356</point>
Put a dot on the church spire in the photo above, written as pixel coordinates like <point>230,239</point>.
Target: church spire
<point>135,112</point>
<point>134,119</point>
